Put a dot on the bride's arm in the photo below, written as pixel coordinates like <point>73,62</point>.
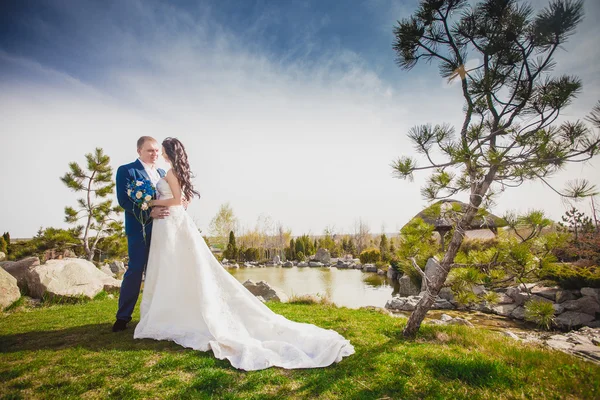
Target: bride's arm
<point>175,189</point>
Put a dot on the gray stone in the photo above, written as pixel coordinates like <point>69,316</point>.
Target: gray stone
<point>403,303</point>
<point>288,264</point>
<point>510,335</point>
<point>546,292</point>
<point>558,308</point>
<point>9,291</point>
<point>276,260</point>
<point>445,317</point>
<point>442,304</point>
<point>460,321</point>
<point>519,297</point>
<point>302,264</point>
<point>2,256</point>
<point>323,256</point>
<point>117,267</point>
<point>446,293</point>
<point>407,287</point>
<point>381,272</point>
<point>504,299</point>
<point>369,268</point>
<point>585,304</point>
<point>504,309</point>
<point>478,290</point>
<point>392,273</point>
<point>565,295</point>
<point>315,264</point>
<point>572,319</point>
<point>518,313</point>
<point>266,291</point>
<point>560,344</point>
<point>20,269</point>
<point>592,292</point>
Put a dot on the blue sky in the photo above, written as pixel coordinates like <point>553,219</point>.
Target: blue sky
<point>289,109</point>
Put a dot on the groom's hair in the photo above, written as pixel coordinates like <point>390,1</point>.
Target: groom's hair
<point>143,140</point>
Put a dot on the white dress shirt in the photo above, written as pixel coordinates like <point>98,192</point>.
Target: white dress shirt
<point>152,172</point>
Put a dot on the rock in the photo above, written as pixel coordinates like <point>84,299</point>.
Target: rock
<point>323,256</point>
<point>504,309</point>
<point>519,297</point>
<point>565,295</point>
<point>381,272</point>
<point>518,313</point>
<point>539,299</point>
<point>288,264</point>
<point>546,292</point>
<point>445,317</point>
<point>117,267</point>
<point>234,266</point>
<point>442,304</point>
<point>2,256</point>
<point>585,304</point>
<point>356,266</point>
<point>266,291</point>
<point>392,273</point>
<point>593,324</point>
<point>572,319</point>
<point>315,264</point>
<point>431,268</point>
<point>20,269</point>
<point>504,299</point>
<point>9,290</point>
<point>369,268</point>
<point>69,277</point>
<point>558,308</point>
<point>302,264</point>
<point>510,335</point>
<point>446,293</point>
<point>106,269</point>
<point>560,344</point>
<point>407,287</point>
<point>403,303</point>
<point>592,292</point>
<point>276,260</point>
<point>478,290</point>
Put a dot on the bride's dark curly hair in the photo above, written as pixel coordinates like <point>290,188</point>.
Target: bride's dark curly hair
<point>179,160</point>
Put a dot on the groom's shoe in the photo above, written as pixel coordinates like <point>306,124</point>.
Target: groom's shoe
<point>120,325</point>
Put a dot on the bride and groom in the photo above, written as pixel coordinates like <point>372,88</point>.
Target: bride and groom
<point>188,296</point>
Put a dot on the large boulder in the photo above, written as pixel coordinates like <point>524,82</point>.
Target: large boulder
<point>323,256</point>
<point>586,304</point>
<point>266,291</point>
<point>288,264</point>
<point>2,256</point>
<point>406,287</point>
<point>106,269</point>
<point>68,278</point>
<point>403,303</point>
<point>504,309</point>
<point>9,291</point>
<point>20,269</point>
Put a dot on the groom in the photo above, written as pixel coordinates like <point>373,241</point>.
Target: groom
<point>142,169</point>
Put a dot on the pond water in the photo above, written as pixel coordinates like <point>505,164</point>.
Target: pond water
<point>345,287</point>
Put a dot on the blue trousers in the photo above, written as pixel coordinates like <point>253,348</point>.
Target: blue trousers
<point>132,280</point>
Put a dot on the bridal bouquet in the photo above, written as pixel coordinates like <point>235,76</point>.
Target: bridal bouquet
<point>141,192</point>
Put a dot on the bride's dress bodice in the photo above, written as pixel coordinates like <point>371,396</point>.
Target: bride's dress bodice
<point>164,190</point>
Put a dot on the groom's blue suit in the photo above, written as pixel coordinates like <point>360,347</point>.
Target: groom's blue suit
<point>137,248</point>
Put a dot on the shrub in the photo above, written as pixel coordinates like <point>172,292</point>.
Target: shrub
<point>540,312</point>
<point>571,276</point>
<point>300,256</point>
<point>370,256</point>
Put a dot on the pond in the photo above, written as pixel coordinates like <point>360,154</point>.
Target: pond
<point>345,287</point>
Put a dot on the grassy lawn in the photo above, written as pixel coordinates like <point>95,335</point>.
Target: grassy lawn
<point>68,351</point>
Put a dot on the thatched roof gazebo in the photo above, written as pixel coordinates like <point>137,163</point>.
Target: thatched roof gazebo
<point>444,214</point>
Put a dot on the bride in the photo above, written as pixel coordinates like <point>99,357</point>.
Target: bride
<point>191,299</point>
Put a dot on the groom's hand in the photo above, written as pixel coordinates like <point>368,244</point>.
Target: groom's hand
<point>159,212</point>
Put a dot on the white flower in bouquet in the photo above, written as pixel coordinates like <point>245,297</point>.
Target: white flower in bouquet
<point>144,206</point>
<point>139,183</point>
<point>138,195</point>
<point>129,192</point>
<point>148,197</point>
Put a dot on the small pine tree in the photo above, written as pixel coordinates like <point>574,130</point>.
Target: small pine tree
<point>3,245</point>
<point>231,252</point>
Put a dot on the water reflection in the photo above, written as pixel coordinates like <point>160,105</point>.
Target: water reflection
<point>345,287</point>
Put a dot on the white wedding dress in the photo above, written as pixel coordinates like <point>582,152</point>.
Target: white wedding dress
<point>191,299</point>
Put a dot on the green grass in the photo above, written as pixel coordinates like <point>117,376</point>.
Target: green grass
<point>67,351</point>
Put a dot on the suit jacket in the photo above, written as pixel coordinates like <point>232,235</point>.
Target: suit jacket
<point>125,173</point>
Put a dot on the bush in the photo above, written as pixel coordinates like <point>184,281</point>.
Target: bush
<point>251,254</point>
<point>469,245</point>
<point>540,312</point>
<point>571,276</point>
<point>3,246</point>
<point>370,256</point>
<point>300,256</point>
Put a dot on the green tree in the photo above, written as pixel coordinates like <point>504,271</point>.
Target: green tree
<point>6,237</point>
<point>384,247</point>
<point>97,214</point>
<point>576,222</point>
<point>231,252</point>
<point>3,245</point>
<point>511,102</point>
<point>299,246</point>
